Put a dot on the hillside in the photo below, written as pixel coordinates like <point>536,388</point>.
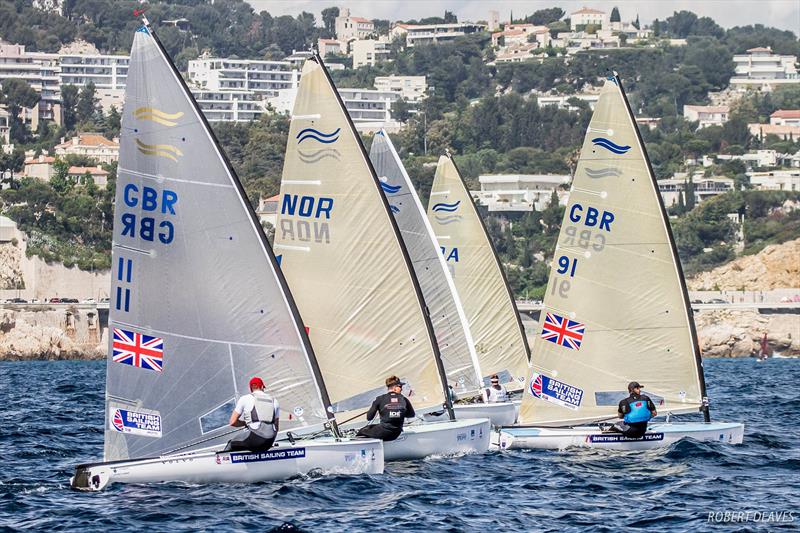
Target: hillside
<point>776,266</point>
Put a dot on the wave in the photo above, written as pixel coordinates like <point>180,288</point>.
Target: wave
<point>609,145</point>
<point>390,189</point>
<point>161,150</point>
<point>441,206</point>
<point>319,136</point>
<point>156,115</point>
<point>448,219</point>
<point>394,208</point>
<point>602,172</point>
<point>317,155</point>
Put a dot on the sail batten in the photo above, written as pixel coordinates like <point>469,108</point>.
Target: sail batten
<point>479,279</point>
<point>616,309</point>
<point>185,335</point>
<point>345,262</point>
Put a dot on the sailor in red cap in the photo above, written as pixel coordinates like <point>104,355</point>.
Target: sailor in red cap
<point>260,413</point>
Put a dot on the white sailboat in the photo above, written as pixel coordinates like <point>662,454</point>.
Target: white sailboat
<point>616,308</point>
<point>352,279</point>
<point>187,333</point>
<point>479,278</point>
<point>449,321</point>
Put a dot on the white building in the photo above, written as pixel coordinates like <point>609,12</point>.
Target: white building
<point>521,34</point>
<point>367,52</point>
<point>349,28</point>
<point>586,16</point>
<point>230,105</point>
<point>706,115</point>
<point>91,145</point>
<point>562,100</point>
<point>411,88</point>
<point>776,180</point>
<point>673,188</point>
<point>520,192</point>
<point>434,33</point>
<point>40,71</point>
<point>759,158</point>
<point>785,132</point>
<point>785,117</point>
<point>760,68</point>
<point>261,77</point>
<point>330,46</point>
<point>109,74</point>
<point>5,127</point>
<point>267,211</point>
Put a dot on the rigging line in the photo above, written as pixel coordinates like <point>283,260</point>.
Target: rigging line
<point>176,180</point>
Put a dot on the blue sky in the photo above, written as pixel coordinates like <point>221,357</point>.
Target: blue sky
<point>784,14</point>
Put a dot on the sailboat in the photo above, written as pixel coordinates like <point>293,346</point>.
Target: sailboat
<point>199,306</point>
<point>345,262</point>
<point>479,278</point>
<point>449,320</point>
<point>616,308</point>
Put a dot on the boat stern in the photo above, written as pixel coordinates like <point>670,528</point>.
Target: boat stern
<point>90,478</point>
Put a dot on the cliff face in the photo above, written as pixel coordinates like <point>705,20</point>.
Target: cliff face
<point>774,267</point>
<point>10,272</point>
<point>51,334</point>
<point>728,333</point>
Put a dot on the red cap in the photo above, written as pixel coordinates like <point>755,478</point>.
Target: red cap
<point>256,383</point>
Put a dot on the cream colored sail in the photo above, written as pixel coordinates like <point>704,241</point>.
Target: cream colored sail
<point>615,309</point>
<point>344,262</point>
<point>488,303</point>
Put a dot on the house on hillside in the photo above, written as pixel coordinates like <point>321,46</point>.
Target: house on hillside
<point>79,174</point>
<point>92,145</point>
<point>785,117</point>
<point>706,115</point>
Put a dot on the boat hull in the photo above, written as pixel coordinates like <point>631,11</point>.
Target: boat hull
<point>438,439</point>
<point>658,435</point>
<point>283,460</point>
<point>499,414</point>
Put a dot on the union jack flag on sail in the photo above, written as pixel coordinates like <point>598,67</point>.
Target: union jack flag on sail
<point>136,349</point>
<point>563,331</point>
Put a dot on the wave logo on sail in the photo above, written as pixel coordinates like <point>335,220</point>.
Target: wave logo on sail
<point>390,189</point>
<point>609,145</point>
<point>447,208</point>
<point>444,209</point>
<point>158,116</point>
<point>603,172</point>
<point>136,423</point>
<point>160,150</point>
<point>319,136</point>
<point>394,208</point>
<point>554,391</point>
<point>312,156</point>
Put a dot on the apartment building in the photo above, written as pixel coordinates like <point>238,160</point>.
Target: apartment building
<point>229,105</point>
<point>41,72</point>
<point>760,68</point>
<point>368,52</point>
<point>411,88</point>
<point>520,192</point>
<point>434,33</point>
<point>266,78</point>
<point>109,74</point>
<point>706,115</point>
<point>562,101</point>
<point>672,189</point>
<point>776,180</point>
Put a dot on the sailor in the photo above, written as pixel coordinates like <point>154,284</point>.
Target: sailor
<point>635,411</point>
<point>451,393</point>
<point>496,393</point>
<point>260,413</point>
<point>393,407</point>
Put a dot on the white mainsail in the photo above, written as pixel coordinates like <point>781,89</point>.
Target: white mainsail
<point>345,263</point>
<point>186,332</point>
<point>616,309</point>
<point>487,300</point>
<point>447,315</point>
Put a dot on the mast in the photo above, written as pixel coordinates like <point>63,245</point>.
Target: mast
<point>311,357</point>
<point>676,258</point>
<point>399,239</point>
<point>496,258</point>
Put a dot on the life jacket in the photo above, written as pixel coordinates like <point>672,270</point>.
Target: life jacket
<point>638,412</point>
<point>497,396</point>
<point>262,415</point>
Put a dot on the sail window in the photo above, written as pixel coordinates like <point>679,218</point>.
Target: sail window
<point>217,417</point>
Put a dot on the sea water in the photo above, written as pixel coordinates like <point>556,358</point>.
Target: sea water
<point>51,418</point>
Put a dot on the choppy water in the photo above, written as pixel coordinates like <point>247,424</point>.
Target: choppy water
<point>51,415</point>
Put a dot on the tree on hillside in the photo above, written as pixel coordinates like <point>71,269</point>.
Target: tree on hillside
<point>69,105</point>
<point>87,103</point>
<point>543,17</point>
<point>450,17</point>
<point>329,15</point>
<point>60,181</point>
<point>16,94</point>
<point>615,17</point>
<point>636,22</point>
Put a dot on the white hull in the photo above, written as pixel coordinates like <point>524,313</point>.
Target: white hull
<point>283,460</point>
<point>499,414</point>
<point>658,435</point>
<point>439,438</point>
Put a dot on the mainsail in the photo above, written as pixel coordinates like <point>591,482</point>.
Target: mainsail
<point>616,309</point>
<point>345,262</point>
<point>199,305</point>
<point>488,303</point>
<point>448,318</point>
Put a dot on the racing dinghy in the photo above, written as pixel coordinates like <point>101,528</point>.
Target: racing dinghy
<point>193,316</point>
<point>352,279</point>
<point>616,308</point>
<point>480,281</point>
<point>447,315</point>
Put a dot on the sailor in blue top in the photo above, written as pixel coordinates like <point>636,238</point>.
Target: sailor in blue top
<point>635,411</point>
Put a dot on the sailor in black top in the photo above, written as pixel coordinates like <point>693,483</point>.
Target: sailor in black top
<point>636,411</point>
<point>393,407</point>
